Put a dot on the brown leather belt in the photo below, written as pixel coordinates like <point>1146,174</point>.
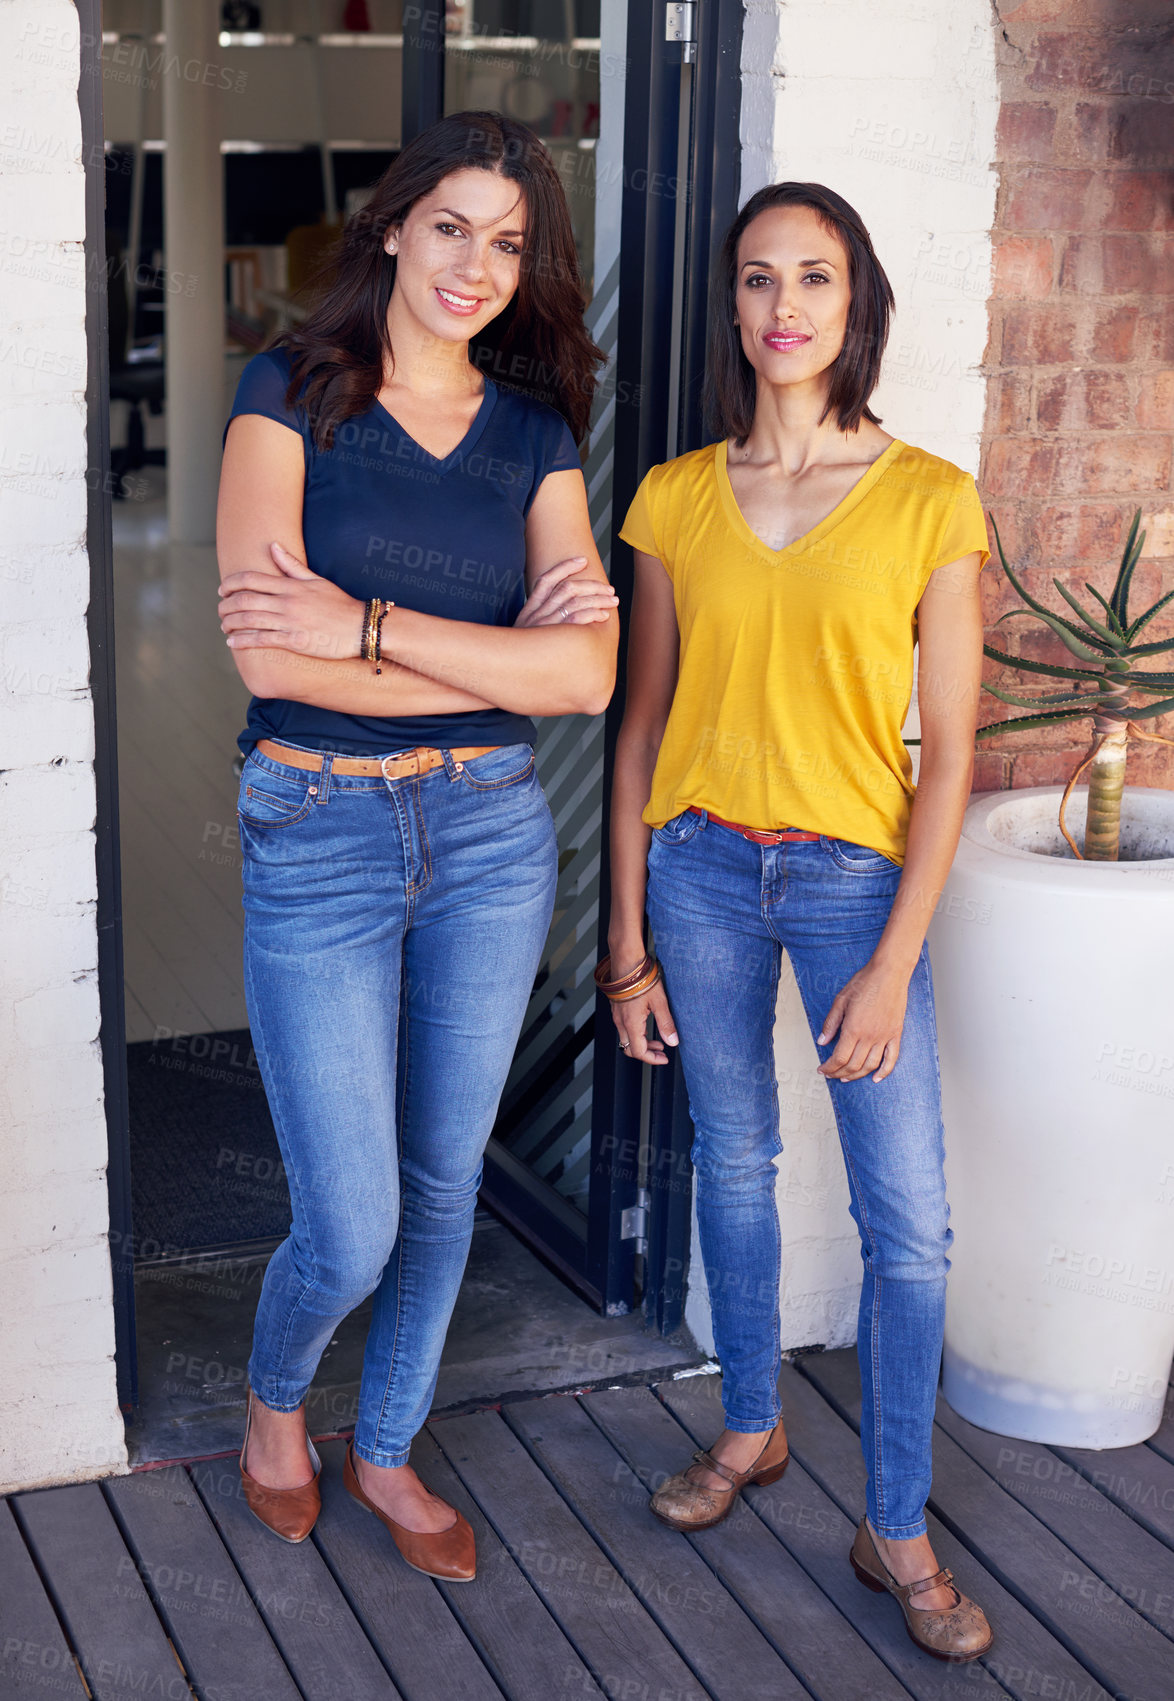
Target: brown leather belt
<point>782,836</point>
<point>401,766</point>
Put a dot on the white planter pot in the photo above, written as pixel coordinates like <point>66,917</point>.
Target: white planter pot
<point>1055,999</point>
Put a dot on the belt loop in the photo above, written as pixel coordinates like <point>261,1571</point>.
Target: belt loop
<point>324,776</point>
<point>451,767</point>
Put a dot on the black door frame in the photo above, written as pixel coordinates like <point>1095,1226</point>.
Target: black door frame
<point>641,1191</point>
<point>100,624</point>
<point>702,90</point>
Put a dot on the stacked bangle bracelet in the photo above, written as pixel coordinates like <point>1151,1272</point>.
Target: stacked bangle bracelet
<point>627,986</point>
<point>374,614</point>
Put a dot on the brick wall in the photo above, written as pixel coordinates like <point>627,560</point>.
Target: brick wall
<point>1080,400</point>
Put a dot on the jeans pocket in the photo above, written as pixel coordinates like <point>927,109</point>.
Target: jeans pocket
<point>860,859</point>
<point>270,799</point>
<point>679,830</point>
<point>497,769</point>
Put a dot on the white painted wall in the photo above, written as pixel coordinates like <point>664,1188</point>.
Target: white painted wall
<point>59,1418</point>
<point>895,108</point>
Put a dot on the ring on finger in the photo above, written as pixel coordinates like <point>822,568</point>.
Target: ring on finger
<point>624,1044</point>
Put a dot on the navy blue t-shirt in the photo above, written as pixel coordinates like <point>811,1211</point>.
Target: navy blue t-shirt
<point>384,518</point>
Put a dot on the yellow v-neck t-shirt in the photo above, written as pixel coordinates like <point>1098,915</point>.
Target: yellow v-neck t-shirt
<point>796,664</point>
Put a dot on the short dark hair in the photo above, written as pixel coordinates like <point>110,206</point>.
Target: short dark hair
<point>730,384</point>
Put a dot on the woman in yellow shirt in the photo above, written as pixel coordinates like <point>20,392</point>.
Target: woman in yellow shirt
<point>764,801</point>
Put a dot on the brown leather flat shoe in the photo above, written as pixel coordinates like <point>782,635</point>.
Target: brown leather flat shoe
<point>448,1555</point>
<point>957,1633</point>
<point>697,1506</point>
<point>290,1513</point>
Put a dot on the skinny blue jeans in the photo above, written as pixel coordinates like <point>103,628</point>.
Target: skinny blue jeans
<point>393,930</point>
<point>722,911</point>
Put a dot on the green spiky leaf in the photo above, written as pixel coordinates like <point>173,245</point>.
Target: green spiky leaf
<point>1130,556</point>
<point>1108,608</point>
<point>1053,697</point>
<point>1102,631</point>
<point>1062,628</point>
<point>1152,709</point>
<point>1054,670</point>
<point>1022,722</point>
<point>1144,619</point>
<point>1100,646</point>
<point>1153,649</point>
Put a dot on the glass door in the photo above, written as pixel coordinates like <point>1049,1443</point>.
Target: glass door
<point>558,67</point>
<point>638,105</point>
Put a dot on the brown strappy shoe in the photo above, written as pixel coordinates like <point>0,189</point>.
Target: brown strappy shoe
<point>957,1633</point>
<point>698,1506</point>
<point>448,1555</point>
<point>290,1513</point>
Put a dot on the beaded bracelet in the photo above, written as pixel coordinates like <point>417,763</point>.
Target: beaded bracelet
<point>370,646</point>
<point>367,642</point>
<point>384,609</point>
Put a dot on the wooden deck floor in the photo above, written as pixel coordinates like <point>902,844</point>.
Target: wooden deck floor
<point>161,1584</point>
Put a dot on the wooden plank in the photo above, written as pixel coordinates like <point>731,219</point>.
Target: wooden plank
<point>321,1641</point>
<point>1126,1556</point>
<point>404,1614</point>
<point>818,1535</point>
<point>1137,1479</point>
<point>682,1577</point>
<point>221,1638</point>
<point>1102,1631</point>
<point>99,1595</point>
<point>617,1640</point>
<point>837,1376</point>
<point>500,1613</point>
<point>34,1655</point>
<point>1026,1658</point>
<point>686,1595</point>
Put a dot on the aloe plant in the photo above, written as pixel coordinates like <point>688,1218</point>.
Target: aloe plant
<point>1110,691</point>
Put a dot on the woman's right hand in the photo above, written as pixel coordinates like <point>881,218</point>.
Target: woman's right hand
<point>565,593</point>
<point>630,1016</point>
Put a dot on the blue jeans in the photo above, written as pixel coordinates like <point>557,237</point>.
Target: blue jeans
<point>393,930</point>
<point>722,910</point>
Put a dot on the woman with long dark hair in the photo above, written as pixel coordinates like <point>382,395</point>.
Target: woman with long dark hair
<point>763,801</point>
<point>407,576</point>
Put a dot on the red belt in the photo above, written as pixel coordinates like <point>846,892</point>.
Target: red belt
<point>783,835</point>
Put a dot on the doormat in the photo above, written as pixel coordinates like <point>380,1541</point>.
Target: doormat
<point>204,1163</point>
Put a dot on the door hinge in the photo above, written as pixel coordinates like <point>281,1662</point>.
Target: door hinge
<point>634,1220</point>
<point>680,25</point>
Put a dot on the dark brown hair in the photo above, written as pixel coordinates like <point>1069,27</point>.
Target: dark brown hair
<point>540,339</point>
<point>731,387</point>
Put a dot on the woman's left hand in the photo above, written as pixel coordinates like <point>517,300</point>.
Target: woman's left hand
<point>293,609</point>
<point>868,1013</point>
<point>564,592</point>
